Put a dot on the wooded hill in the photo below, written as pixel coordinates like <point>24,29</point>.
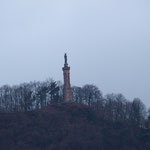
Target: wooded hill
<point>68,127</point>
<point>34,117</point>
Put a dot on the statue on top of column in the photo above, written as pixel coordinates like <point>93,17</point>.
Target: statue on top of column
<point>66,58</point>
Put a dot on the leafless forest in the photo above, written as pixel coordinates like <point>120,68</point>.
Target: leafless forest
<point>33,116</point>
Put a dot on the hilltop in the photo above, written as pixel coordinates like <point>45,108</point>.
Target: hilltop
<point>68,126</point>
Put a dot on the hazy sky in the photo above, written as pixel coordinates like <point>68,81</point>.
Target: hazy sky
<point>108,43</point>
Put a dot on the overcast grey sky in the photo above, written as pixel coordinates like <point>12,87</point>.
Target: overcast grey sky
<point>108,43</point>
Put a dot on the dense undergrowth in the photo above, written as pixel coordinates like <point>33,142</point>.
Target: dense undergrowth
<point>68,126</point>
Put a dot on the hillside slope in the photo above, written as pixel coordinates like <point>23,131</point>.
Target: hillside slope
<point>68,127</point>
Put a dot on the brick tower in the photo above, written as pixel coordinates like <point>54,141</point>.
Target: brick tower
<point>67,86</point>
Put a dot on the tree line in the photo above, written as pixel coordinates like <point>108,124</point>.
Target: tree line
<point>36,95</point>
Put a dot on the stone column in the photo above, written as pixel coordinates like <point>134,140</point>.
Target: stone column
<point>67,86</point>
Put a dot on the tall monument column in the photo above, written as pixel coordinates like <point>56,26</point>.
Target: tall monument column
<point>67,86</point>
